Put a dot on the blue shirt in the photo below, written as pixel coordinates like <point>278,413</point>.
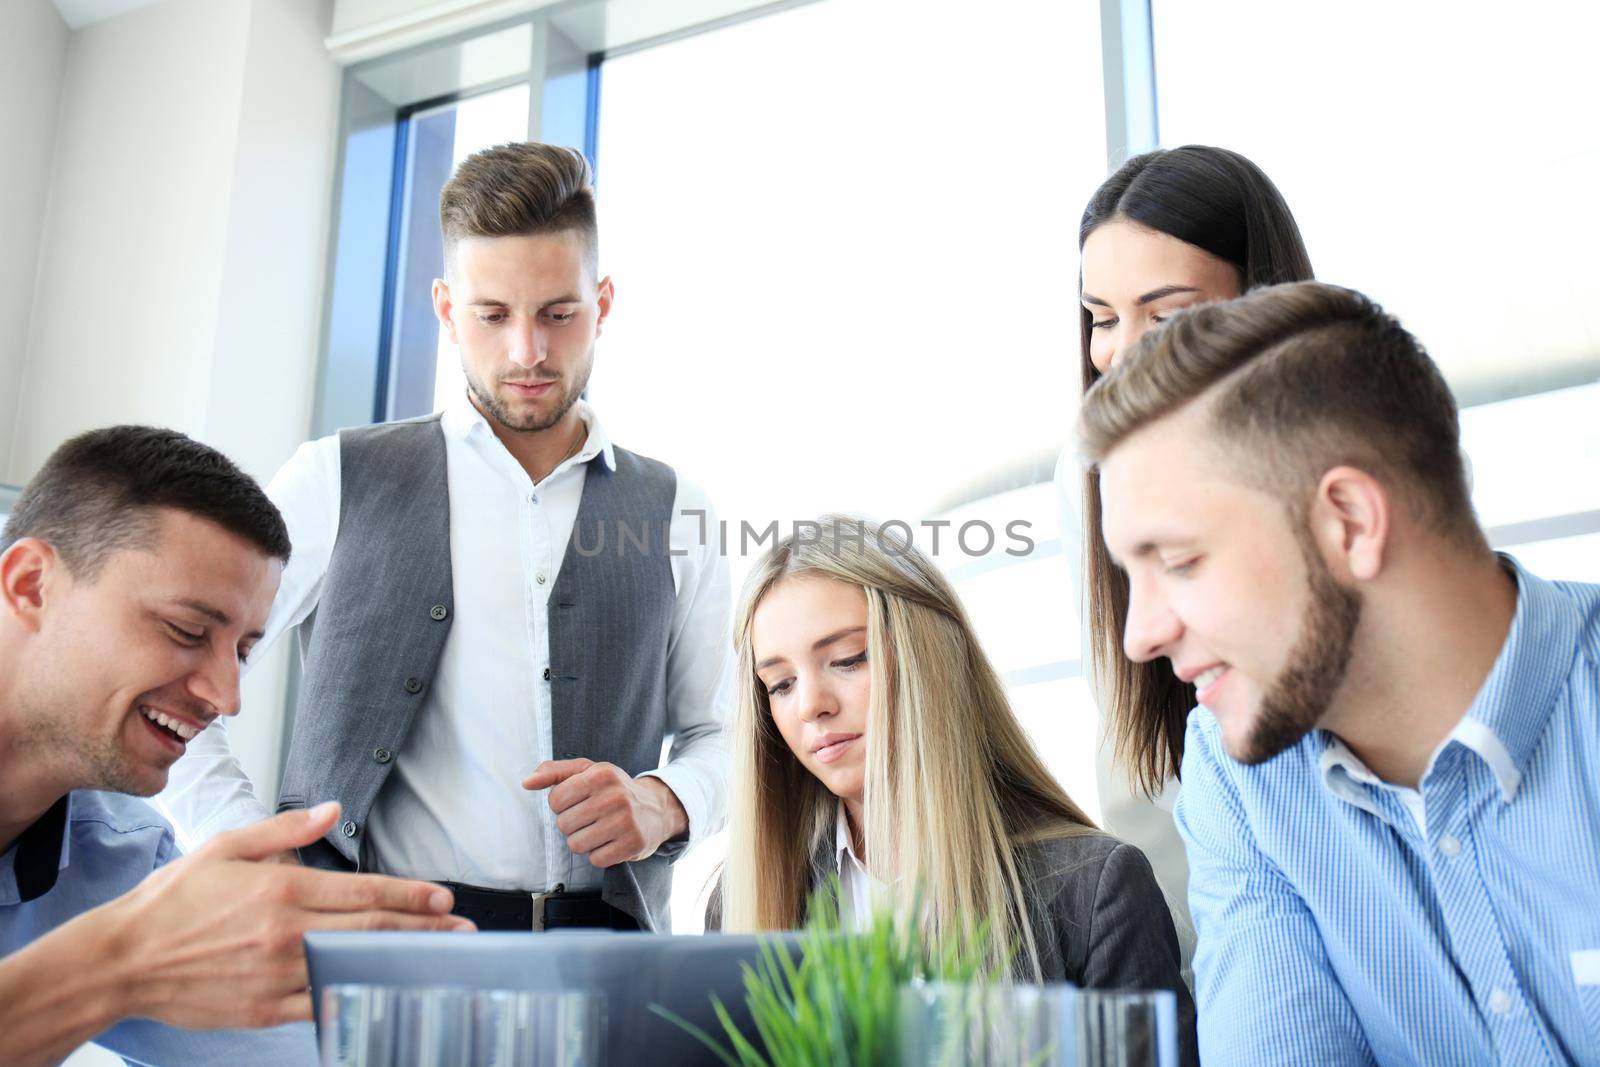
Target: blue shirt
<point>1343,920</point>
<point>89,849</point>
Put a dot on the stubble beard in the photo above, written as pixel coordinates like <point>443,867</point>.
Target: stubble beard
<point>93,762</point>
<point>1299,697</point>
<point>494,408</point>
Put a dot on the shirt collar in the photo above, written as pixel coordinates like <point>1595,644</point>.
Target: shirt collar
<point>1343,773</point>
<point>42,852</point>
<point>1513,707</point>
<point>1510,712</point>
<point>461,420</point>
<point>844,845</point>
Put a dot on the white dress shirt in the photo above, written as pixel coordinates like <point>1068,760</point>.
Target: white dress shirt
<point>453,808</point>
<point>859,893</point>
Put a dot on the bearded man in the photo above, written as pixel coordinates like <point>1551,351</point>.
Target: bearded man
<point>1391,789</point>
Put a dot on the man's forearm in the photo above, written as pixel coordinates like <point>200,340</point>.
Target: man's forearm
<point>697,773</point>
<point>670,810</point>
<point>60,991</point>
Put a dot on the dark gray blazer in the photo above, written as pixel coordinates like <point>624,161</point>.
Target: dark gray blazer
<point>1099,920</point>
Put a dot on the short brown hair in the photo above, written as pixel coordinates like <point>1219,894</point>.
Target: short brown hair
<point>1299,379</point>
<point>98,494</point>
<point>520,189</point>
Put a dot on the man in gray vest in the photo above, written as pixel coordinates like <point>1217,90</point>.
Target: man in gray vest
<point>502,614</point>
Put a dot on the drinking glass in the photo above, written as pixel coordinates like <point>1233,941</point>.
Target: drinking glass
<point>378,1026</point>
<point>433,1027</point>
<point>1002,1025</point>
<point>1124,1029</point>
<point>357,1026</point>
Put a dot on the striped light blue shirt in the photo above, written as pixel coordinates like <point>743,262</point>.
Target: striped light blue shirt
<point>91,848</point>
<point>1343,920</point>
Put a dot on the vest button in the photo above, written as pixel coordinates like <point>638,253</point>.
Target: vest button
<point>413,685</point>
<point>438,613</point>
<point>349,829</point>
<point>547,674</point>
<point>382,755</point>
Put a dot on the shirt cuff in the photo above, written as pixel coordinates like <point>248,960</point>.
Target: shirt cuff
<point>686,786</point>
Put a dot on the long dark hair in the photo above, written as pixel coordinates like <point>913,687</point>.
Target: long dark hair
<point>1222,203</point>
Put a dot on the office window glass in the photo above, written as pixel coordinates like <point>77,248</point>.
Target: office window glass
<point>1023,604</point>
<point>1439,159</point>
<point>843,238</point>
<point>1536,479</point>
<point>422,366</point>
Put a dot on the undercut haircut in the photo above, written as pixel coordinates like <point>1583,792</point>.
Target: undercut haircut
<point>100,494</point>
<point>519,190</point>
<point>1299,379</point>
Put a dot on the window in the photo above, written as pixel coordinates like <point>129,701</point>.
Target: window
<point>1440,161</point>
<point>407,120</point>
<point>423,367</point>
<point>841,236</point>
<point>1536,479</point>
<point>1025,610</point>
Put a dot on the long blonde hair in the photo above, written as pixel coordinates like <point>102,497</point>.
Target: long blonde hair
<point>952,782</point>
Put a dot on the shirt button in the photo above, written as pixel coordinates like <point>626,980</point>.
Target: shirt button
<point>382,755</point>
<point>1449,846</point>
<point>349,829</point>
<point>1500,1002</point>
<point>539,577</point>
<point>438,613</point>
<point>413,685</point>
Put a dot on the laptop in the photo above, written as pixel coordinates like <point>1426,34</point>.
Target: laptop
<point>632,971</point>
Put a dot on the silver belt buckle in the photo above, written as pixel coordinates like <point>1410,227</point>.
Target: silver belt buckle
<point>538,905</point>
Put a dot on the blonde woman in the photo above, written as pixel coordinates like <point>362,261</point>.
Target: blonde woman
<point>873,740</point>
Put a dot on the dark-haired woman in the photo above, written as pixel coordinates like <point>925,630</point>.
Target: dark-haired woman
<point>1170,229</point>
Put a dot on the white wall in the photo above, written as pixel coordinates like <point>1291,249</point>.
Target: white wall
<point>274,254</point>
<point>126,307</point>
<point>33,64</point>
<point>270,298</point>
<point>181,264</point>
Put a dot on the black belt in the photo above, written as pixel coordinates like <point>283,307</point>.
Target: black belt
<point>510,909</point>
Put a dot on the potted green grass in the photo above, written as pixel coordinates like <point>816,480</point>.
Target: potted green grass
<point>837,1005</point>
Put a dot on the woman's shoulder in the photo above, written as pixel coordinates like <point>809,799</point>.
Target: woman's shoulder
<point>1065,849</point>
<point>1097,900</point>
<point>1083,866</point>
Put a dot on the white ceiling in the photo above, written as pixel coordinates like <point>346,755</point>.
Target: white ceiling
<point>80,13</point>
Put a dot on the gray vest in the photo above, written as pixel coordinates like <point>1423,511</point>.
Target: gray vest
<point>372,646</point>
